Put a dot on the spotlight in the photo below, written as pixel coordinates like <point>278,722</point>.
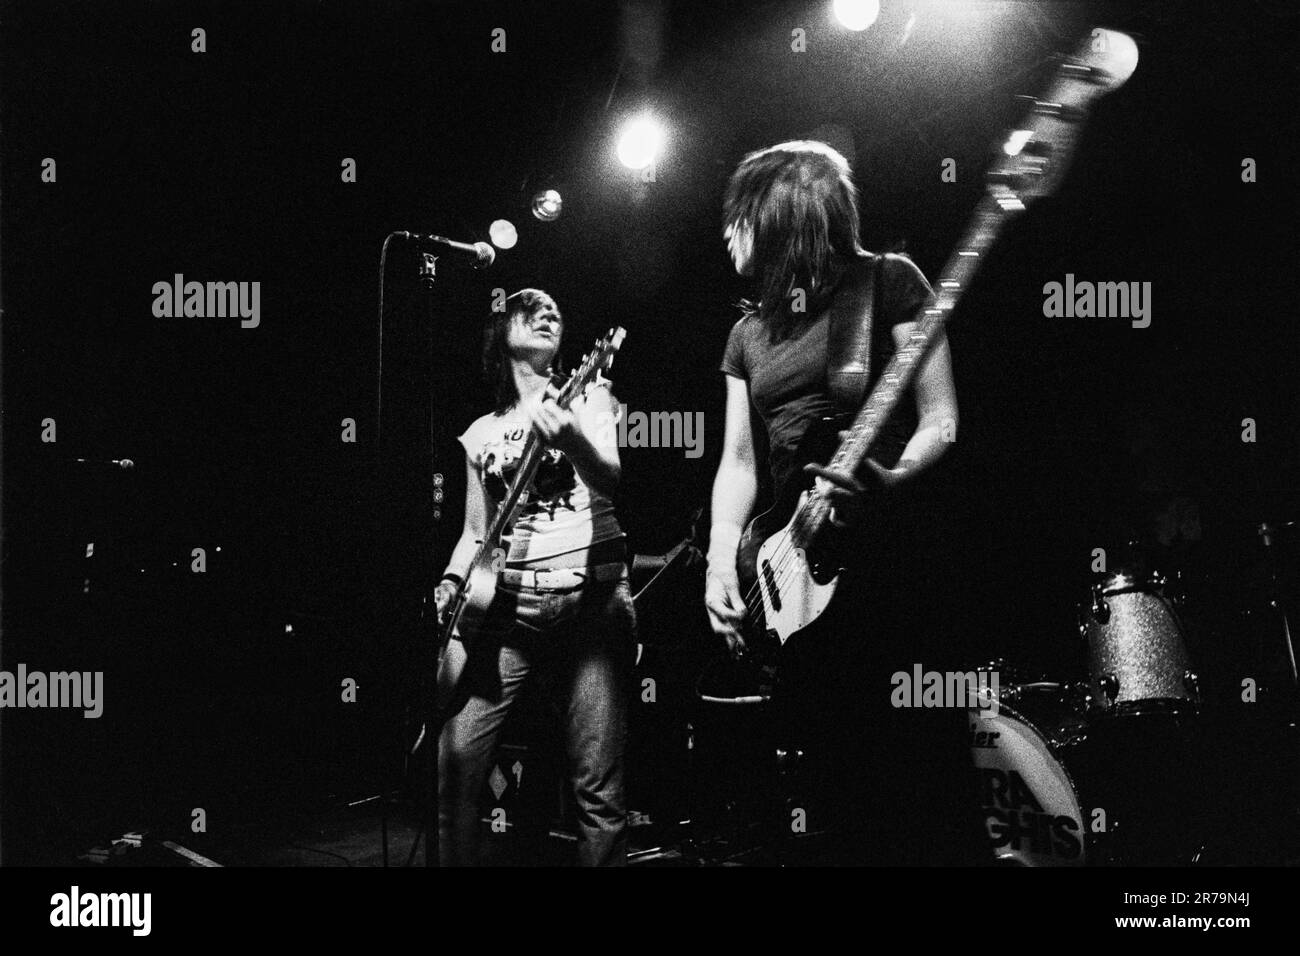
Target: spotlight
<point>547,205</point>
<point>640,142</point>
<point>856,14</point>
<point>503,234</point>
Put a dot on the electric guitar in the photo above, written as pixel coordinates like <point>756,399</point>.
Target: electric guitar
<point>788,573</point>
<point>468,608</point>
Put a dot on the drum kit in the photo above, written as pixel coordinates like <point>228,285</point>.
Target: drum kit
<point>1174,740</point>
<point>1126,765</point>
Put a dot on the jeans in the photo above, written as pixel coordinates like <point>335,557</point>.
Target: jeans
<point>581,646</point>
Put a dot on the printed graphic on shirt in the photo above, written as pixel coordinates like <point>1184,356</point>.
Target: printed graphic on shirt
<point>553,487</point>
<point>560,515</point>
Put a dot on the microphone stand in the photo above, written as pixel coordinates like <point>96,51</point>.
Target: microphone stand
<point>428,709</point>
<point>1267,533</point>
<point>424,709</point>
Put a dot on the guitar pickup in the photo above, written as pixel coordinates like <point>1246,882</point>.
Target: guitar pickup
<point>769,584</point>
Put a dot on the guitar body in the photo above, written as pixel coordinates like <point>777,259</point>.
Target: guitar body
<point>476,596</point>
<point>788,586</point>
<point>465,616</point>
<point>792,592</point>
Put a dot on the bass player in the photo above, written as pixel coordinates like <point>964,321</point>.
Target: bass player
<point>894,782</point>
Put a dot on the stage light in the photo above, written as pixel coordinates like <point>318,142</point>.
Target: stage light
<point>856,14</point>
<point>547,205</point>
<point>503,234</point>
<point>640,142</point>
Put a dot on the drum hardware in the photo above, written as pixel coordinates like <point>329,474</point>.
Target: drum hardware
<point>1109,685</point>
<point>1268,534</point>
<point>1100,609</point>
<point>1176,592</point>
<point>1172,707</point>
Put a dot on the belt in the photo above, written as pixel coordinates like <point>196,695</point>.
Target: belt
<point>561,579</point>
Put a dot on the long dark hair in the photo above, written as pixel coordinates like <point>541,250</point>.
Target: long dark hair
<point>497,371</point>
<point>799,200</point>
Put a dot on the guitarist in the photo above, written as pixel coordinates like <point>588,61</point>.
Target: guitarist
<point>791,222</point>
<point>563,609</point>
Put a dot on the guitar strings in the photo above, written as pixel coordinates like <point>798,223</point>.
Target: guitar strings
<point>782,564</point>
<point>862,432</point>
<point>521,485</point>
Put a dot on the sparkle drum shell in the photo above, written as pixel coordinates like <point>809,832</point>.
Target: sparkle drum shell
<point>1137,658</point>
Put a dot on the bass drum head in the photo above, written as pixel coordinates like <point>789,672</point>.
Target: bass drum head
<point>1030,805</point>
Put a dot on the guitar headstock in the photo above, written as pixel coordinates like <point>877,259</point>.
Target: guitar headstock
<point>617,335</point>
<point>1113,56</point>
<point>611,343</point>
<point>599,359</point>
<point>602,355</point>
<point>1035,155</point>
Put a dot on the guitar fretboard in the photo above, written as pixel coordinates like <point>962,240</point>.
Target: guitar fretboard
<point>1031,165</point>
<point>531,457</point>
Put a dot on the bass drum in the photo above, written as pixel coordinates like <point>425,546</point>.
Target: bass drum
<point>1030,804</point>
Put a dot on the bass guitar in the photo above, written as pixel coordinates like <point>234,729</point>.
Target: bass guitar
<point>788,573</point>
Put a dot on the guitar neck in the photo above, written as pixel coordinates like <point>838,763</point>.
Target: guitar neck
<point>531,458</point>
<point>530,461</point>
<point>898,374</point>
<point>1030,164</point>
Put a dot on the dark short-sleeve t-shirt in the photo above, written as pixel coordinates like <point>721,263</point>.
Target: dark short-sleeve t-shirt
<point>787,378</point>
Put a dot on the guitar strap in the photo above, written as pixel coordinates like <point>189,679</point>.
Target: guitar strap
<point>848,340</point>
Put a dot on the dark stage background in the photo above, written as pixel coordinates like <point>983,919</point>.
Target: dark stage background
<point>223,688</point>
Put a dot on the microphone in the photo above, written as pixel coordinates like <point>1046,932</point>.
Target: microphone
<point>481,254</point>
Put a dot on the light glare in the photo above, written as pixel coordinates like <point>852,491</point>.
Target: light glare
<point>856,14</point>
<point>547,205</point>
<point>503,234</point>
<point>640,142</point>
